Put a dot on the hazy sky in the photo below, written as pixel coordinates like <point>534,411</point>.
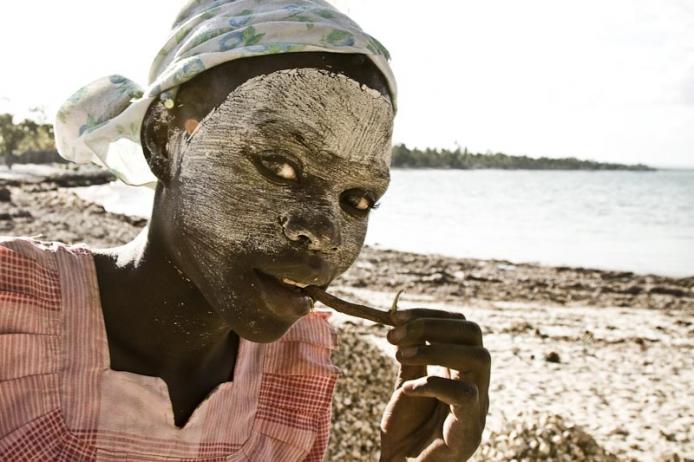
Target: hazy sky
<point>610,80</point>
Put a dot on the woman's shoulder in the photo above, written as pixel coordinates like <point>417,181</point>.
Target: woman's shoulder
<point>35,279</point>
<point>34,276</point>
<point>30,332</point>
<point>24,258</point>
<point>15,251</point>
<point>29,277</point>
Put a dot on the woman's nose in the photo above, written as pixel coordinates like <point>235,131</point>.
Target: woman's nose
<point>319,232</point>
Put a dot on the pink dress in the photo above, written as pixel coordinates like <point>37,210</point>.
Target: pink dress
<point>59,400</point>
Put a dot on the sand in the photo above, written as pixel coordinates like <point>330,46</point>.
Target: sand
<point>623,374</point>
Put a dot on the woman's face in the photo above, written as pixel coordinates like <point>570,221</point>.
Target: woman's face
<point>273,189</point>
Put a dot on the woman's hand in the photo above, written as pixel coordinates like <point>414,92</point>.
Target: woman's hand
<point>432,418</point>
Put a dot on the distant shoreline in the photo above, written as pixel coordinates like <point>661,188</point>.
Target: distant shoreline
<point>525,169</point>
<point>442,159</point>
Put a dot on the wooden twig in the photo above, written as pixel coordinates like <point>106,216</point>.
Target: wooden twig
<point>352,309</point>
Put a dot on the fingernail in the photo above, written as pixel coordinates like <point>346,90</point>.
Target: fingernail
<point>401,316</point>
<point>396,335</point>
<point>408,386</point>
<point>408,352</point>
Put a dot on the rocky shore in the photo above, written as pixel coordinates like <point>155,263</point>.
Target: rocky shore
<point>587,364</point>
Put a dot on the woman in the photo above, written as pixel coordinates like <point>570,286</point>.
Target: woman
<point>266,131</point>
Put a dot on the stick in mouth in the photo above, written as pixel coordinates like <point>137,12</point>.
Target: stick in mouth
<point>353,309</point>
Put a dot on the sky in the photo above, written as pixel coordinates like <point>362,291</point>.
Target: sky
<point>608,80</point>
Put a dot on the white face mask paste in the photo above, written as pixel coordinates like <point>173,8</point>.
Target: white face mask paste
<point>228,214</point>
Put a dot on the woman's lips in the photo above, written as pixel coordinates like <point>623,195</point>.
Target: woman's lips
<point>287,300</point>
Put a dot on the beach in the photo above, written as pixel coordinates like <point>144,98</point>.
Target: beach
<point>587,364</point>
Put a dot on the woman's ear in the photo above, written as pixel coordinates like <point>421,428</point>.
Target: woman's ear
<point>155,140</point>
<point>190,126</point>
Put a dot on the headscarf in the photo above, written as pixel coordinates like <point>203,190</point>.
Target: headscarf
<point>101,122</point>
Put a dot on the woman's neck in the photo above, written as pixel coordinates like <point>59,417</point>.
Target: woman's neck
<point>157,321</point>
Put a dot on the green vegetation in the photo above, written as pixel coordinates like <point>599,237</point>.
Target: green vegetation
<point>404,157</point>
<point>24,137</point>
<point>34,142</point>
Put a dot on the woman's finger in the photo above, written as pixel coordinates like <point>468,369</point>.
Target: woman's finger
<point>436,330</point>
<point>461,438</point>
<point>452,392</point>
<point>466,359</point>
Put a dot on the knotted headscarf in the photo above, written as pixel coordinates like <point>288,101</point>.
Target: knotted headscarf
<point>101,122</point>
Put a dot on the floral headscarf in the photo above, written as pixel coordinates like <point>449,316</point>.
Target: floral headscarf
<point>101,122</point>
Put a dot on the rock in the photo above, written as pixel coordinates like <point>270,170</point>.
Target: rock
<point>518,328</point>
<point>5,195</point>
<point>673,457</point>
<point>440,277</point>
<point>611,275</point>
<point>552,357</point>
<point>633,290</point>
<point>664,290</point>
<point>19,213</point>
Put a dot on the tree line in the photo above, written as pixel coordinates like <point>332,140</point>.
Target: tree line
<point>22,138</point>
<point>27,137</point>
<point>404,157</point>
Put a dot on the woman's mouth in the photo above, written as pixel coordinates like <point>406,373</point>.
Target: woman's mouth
<point>284,296</point>
<point>292,283</point>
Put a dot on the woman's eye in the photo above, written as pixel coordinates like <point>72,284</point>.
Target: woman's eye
<point>362,204</point>
<point>358,202</point>
<point>277,167</point>
<point>283,170</point>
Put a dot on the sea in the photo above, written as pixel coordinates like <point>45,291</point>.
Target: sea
<point>641,222</point>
